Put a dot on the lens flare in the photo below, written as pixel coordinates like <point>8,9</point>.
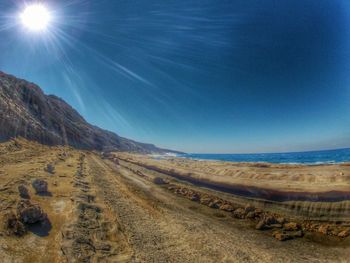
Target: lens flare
<point>36,17</point>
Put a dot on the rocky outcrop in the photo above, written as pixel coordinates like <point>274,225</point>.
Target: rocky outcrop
<point>29,213</point>
<point>27,112</point>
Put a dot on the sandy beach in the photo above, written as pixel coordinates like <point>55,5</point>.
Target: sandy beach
<point>130,208</point>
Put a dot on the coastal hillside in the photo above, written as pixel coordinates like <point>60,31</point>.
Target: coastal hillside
<point>27,112</point>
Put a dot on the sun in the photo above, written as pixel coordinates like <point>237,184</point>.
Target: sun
<point>36,17</point>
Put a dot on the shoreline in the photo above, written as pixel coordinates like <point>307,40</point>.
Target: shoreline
<point>309,191</point>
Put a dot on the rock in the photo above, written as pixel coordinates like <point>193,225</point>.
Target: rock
<point>239,213</point>
<point>23,191</point>
<point>323,229</point>
<point>227,207</point>
<point>344,233</point>
<point>194,197</point>
<point>291,226</point>
<point>261,225</point>
<point>40,186</point>
<point>282,235</point>
<point>50,168</point>
<point>205,200</point>
<point>30,213</point>
<point>116,161</point>
<point>251,215</point>
<point>13,225</point>
<point>249,208</point>
<point>159,181</point>
<point>270,219</point>
<point>213,205</point>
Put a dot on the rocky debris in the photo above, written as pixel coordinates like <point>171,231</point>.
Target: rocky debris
<point>40,186</point>
<point>323,229</point>
<point>23,191</point>
<point>159,181</point>
<point>239,213</point>
<point>283,235</point>
<point>344,233</point>
<point>13,226</point>
<point>30,213</point>
<point>265,220</point>
<point>50,168</point>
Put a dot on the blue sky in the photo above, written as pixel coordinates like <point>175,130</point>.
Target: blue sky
<point>197,76</point>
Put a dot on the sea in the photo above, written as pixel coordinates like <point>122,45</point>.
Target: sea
<point>311,157</point>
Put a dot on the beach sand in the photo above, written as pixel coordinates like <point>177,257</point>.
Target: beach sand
<point>129,208</point>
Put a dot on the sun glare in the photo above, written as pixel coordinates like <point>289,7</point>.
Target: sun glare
<point>36,17</point>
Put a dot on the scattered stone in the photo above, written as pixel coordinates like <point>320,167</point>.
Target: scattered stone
<point>23,191</point>
<point>261,225</point>
<point>159,181</point>
<point>249,208</point>
<point>227,207</point>
<point>344,233</point>
<point>195,197</point>
<point>50,168</point>
<point>205,200</point>
<point>251,215</point>
<point>282,235</point>
<point>40,186</point>
<point>239,213</point>
<point>30,213</point>
<point>13,225</point>
<point>213,205</point>
<point>323,229</point>
<point>291,226</point>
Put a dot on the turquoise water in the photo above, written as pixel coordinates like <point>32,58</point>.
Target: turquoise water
<point>312,157</point>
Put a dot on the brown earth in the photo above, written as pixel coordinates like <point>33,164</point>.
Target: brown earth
<point>112,210</point>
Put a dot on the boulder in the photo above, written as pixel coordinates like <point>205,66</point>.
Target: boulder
<point>29,213</point>
<point>13,226</point>
<point>239,213</point>
<point>23,191</point>
<point>40,186</point>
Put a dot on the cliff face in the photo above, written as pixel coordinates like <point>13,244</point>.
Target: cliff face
<point>27,112</point>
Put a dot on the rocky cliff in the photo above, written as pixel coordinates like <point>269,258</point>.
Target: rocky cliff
<point>27,112</point>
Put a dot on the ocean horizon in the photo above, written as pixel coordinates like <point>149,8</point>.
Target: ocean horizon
<point>308,157</point>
